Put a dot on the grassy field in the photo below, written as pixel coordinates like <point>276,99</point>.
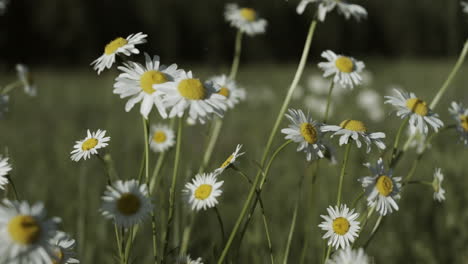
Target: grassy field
<point>40,132</point>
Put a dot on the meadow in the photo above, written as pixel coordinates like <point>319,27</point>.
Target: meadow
<point>40,132</point>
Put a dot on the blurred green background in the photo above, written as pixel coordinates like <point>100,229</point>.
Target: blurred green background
<point>407,44</point>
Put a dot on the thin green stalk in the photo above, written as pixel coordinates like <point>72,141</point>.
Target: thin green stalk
<point>9,87</point>
<point>221,225</point>
<point>327,254</point>
<point>291,232</point>
<point>292,87</point>
<point>237,53</point>
<point>397,141</point>
<point>119,245</point>
<point>12,184</point>
<point>172,190</point>
<point>217,125</point>
<point>327,109</point>
<point>252,192</point>
<point>342,173</point>
<point>356,200</point>
<point>374,231</point>
<point>449,80</point>
<point>156,171</point>
<point>186,236</point>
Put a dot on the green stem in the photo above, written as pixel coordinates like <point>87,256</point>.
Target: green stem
<point>449,80</point>
<point>221,225</point>
<point>237,53</point>
<point>12,184</point>
<point>356,200</point>
<point>292,87</point>
<point>172,190</point>
<point>397,141</point>
<point>291,232</point>
<point>156,171</point>
<point>342,173</point>
<point>327,109</point>
<point>252,192</point>
<point>327,254</point>
<point>374,231</point>
<point>119,245</point>
<point>186,236</point>
<point>8,88</point>
<point>217,125</point>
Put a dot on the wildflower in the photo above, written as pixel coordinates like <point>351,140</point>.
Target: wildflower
<point>245,19</point>
<point>141,82</point>
<point>200,98</point>
<point>340,225</point>
<point>326,6</point>
<point>408,105</point>
<point>93,141</point>
<point>26,79</point>
<point>5,169</point>
<point>356,129</point>
<point>203,191</point>
<point>188,260</point>
<point>460,114</point>
<point>439,192</point>
<point>349,256</point>
<point>228,88</point>
<point>382,189</point>
<point>307,132</point>
<point>126,202</point>
<point>346,70</point>
<point>25,233</point>
<point>64,247</point>
<point>230,160</point>
<point>162,138</point>
<point>118,46</point>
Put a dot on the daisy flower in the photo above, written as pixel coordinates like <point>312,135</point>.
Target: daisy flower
<point>119,46</point>
<point>307,132</point>
<point>141,82</point>
<point>64,247</point>
<point>349,256</point>
<point>439,192</point>
<point>340,225</point>
<point>188,260</point>
<point>25,233</point>
<point>162,138</point>
<point>356,129</point>
<point>93,141</point>
<point>230,160</point>
<point>190,93</point>
<point>346,70</point>
<point>464,5</point>
<point>326,6</point>
<point>408,105</point>
<point>5,168</point>
<point>245,19</point>
<point>203,191</point>
<point>382,189</point>
<point>418,139</point>
<point>228,88</point>
<point>126,202</point>
<point>26,79</point>
<point>460,114</point>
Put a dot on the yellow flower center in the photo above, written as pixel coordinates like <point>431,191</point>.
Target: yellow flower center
<point>224,91</point>
<point>203,191</point>
<point>344,64</point>
<point>89,144</point>
<point>464,122</point>
<point>114,45</point>
<point>149,78</point>
<point>227,162</point>
<point>24,229</point>
<point>340,225</point>
<point>417,106</point>
<point>353,125</point>
<point>192,89</point>
<point>384,185</point>
<point>309,133</point>
<point>248,14</point>
<point>128,204</point>
<point>159,137</point>
<point>58,256</point>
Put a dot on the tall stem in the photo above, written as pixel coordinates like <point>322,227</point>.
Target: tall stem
<point>447,82</point>
<point>153,217</point>
<point>217,125</point>
<point>221,225</point>
<point>12,184</point>
<point>397,141</point>
<point>327,109</point>
<point>170,215</point>
<point>237,53</point>
<point>342,174</point>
